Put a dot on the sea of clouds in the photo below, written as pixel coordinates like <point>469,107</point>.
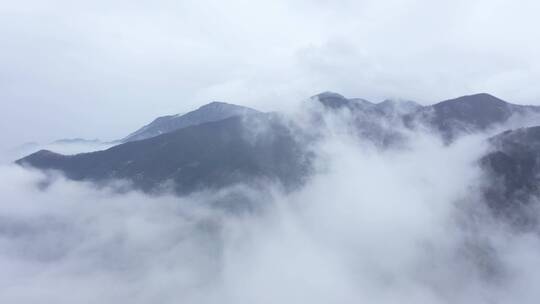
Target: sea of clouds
<point>398,225</point>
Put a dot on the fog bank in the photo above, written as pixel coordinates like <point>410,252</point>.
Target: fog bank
<point>403,225</point>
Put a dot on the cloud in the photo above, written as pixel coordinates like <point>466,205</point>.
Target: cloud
<point>403,225</point>
<point>103,69</point>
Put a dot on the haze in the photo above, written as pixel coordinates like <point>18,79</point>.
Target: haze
<point>101,69</point>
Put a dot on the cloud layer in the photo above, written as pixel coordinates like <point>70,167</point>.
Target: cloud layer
<point>393,226</point>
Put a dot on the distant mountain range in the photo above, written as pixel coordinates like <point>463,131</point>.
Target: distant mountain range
<point>64,146</point>
<point>336,101</point>
<point>450,118</point>
<point>222,144</point>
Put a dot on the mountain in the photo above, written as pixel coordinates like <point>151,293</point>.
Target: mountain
<point>211,112</point>
<point>333,100</point>
<point>209,155</point>
<point>379,123</point>
<point>397,107</point>
<point>467,114</point>
<point>199,150</point>
<point>513,169</point>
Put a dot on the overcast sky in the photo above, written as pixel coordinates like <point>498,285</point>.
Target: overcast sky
<point>104,68</point>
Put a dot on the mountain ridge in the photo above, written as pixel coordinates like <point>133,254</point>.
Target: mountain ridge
<point>213,111</point>
<point>254,145</point>
<point>213,155</point>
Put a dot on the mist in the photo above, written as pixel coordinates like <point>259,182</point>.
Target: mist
<point>103,69</point>
<point>405,224</point>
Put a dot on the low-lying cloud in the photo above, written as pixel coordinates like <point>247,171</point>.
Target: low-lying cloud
<point>404,225</point>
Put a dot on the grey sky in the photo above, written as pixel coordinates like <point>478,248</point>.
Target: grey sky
<point>104,68</point>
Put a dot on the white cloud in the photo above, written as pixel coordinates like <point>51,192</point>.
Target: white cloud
<point>394,226</point>
<point>102,69</point>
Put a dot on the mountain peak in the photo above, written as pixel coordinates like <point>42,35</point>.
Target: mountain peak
<point>335,100</point>
<point>213,111</point>
<point>218,104</point>
<point>480,99</point>
<point>331,99</point>
<point>329,94</point>
<point>39,157</point>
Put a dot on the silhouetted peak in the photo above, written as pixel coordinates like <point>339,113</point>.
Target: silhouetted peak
<point>481,99</point>
<point>219,104</point>
<point>329,94</point>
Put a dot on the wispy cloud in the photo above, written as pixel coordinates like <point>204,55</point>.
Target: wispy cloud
<point>390,226</point>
